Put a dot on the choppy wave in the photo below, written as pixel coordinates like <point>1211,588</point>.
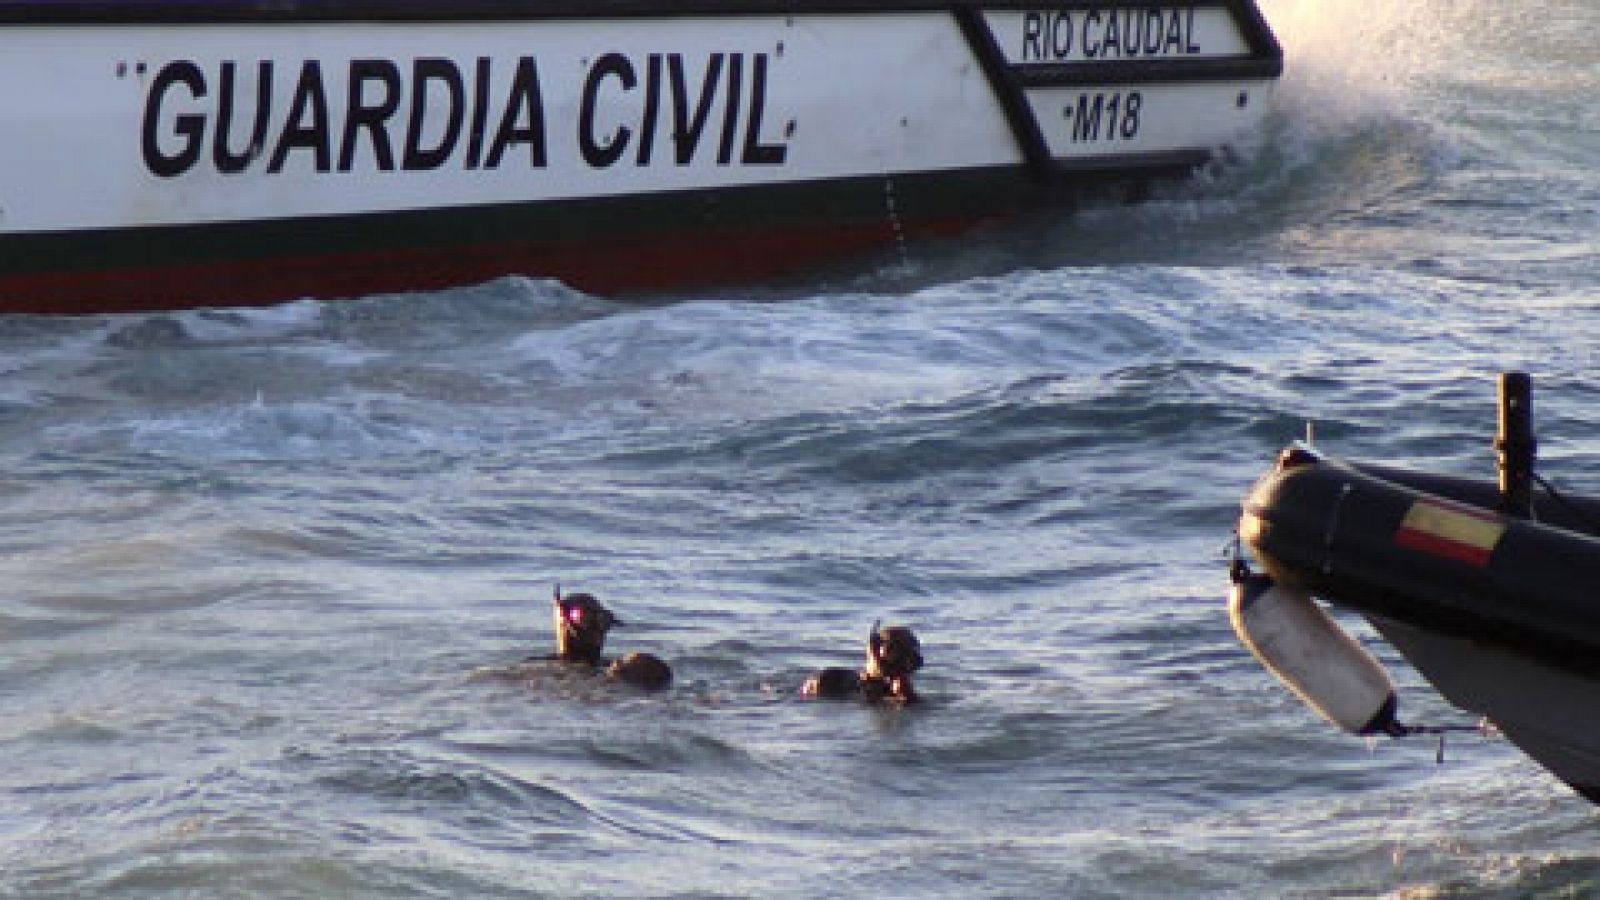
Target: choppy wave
<point>258,562</point>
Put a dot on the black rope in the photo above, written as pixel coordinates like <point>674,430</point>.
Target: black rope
<point>1398,730</point>
<point>1582,515</point>
<point>1484,728</point>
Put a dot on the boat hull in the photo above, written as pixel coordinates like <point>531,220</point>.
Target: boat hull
<point>217,153</point>
<point>1498,613</point>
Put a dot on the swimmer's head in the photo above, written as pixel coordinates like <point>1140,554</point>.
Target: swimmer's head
<point>581,624</point>
<point>642,670</point>
<point>893,652</point>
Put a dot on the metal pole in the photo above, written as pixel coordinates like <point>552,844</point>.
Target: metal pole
<point>1515,445</point>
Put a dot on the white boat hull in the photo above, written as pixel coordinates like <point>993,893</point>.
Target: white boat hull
<point>136,133</point>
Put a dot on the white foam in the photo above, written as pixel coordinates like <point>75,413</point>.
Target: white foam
<point>1349,60</point>
<point>257,430</point>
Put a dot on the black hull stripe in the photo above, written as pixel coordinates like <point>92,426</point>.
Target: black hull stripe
<point>1008,92</point>
<point>1171,71</point>
<point>44,12</point>
<point>644,242</point>
<point>975,193</point>
<point>997,191</point>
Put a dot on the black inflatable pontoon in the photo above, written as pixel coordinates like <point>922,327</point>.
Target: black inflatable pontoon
<point>1493,594</point>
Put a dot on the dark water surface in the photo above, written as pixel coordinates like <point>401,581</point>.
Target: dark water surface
<point>256,564</point>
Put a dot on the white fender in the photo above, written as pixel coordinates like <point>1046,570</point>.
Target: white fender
<point>1301,644</point>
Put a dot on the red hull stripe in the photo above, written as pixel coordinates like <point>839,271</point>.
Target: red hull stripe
<point>604,245</point>
<point>637,242</point>
<point>1437,546</point>
<point>634,263</point>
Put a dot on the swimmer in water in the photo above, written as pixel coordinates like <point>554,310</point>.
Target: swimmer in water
<point>893,654</point>
<point>581,624</point>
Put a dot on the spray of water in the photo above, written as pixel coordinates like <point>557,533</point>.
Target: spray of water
<point>1358,119</point>
<point>1352,60</point>
<point>1355,125</point>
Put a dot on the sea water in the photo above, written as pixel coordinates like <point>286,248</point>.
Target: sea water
<point>259,567</point>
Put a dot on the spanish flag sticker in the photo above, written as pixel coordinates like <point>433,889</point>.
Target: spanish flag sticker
<point>1461,533</point>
